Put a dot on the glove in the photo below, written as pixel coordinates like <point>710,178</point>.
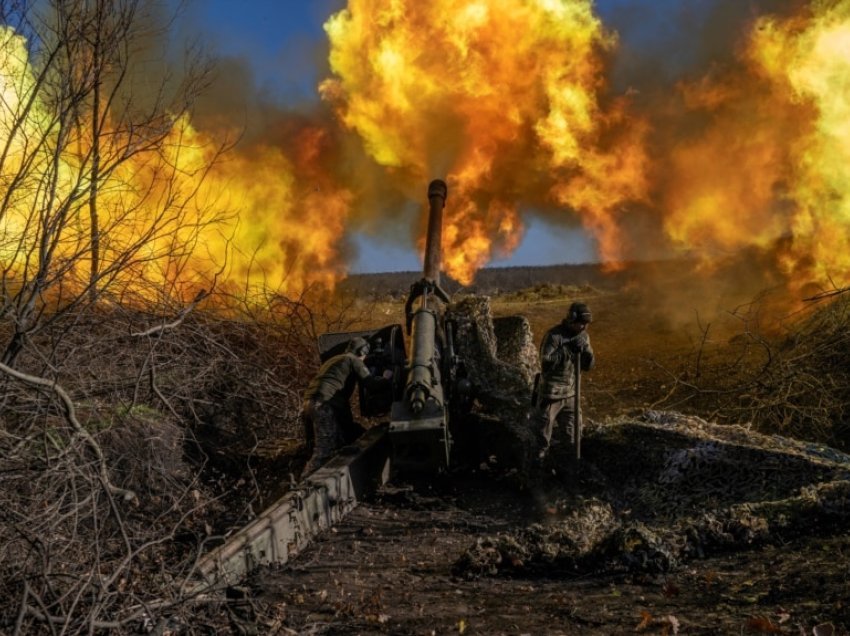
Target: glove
<point>578,344</point>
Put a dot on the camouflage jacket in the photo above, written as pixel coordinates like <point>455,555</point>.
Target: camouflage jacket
<point>335,381</point>
<point>557,354</point>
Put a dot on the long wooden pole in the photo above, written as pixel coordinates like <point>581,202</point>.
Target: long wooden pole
<point>577,408</point>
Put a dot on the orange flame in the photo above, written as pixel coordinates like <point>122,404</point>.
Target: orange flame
<point>507,98</point>
<point>809,61</point>
<point>289,215</point>
<point>772,167</point>
<point>503,97</point>
<point>177,216</point>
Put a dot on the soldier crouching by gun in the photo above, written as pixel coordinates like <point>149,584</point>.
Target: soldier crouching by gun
<point>326,413</point>
<point>563,346</point>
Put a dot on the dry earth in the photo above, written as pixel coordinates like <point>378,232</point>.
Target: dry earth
<point>390,568</point>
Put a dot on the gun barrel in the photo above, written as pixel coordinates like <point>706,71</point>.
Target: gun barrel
<point>419,420</point>
<point>437,193</point>
<point>423,381</point>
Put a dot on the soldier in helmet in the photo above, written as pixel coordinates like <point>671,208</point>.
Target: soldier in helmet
<point>326,412</point>
<point>562,346</point>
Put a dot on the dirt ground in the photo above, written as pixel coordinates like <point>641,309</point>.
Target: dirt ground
<point>390,567</point>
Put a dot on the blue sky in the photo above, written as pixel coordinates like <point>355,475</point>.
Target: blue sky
<point>282,39</point>
<point>285,46</point>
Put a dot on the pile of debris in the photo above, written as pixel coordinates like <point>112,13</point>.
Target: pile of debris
<point>665,488</point>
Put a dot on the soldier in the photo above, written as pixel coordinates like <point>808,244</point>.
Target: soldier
<point>562,345</point>
<point>326,413</point>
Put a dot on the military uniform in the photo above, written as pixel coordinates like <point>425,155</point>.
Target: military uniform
<point>326,412</point>
<point>556,387</point>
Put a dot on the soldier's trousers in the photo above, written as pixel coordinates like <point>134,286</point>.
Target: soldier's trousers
<point>549,412</point>
<point>327,429</point>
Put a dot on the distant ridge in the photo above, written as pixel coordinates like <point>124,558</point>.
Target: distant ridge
<point>492,280</point>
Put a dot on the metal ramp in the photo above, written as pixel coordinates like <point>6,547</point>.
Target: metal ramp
<point>318,502</point>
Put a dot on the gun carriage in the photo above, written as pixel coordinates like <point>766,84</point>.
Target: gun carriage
<point>430,390</point>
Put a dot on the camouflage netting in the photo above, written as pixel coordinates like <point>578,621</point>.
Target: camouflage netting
<point>501,361</point>
<point>501,364</point>
<point>515,345</point>
<point>668,488</point>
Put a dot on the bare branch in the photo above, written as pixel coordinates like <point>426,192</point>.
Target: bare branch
<point>71,417</point>
<point>177,321</point>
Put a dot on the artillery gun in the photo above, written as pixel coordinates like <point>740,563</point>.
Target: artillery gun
<point>430,390</point>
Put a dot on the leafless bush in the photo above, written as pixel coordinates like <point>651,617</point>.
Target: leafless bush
<point>111,387</point>
<point>76,556</point>
<point>796,384</point>
<point>111,489</point>
<point>807,390</point>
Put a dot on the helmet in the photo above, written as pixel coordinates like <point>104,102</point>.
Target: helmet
<point>358,346</point>
<point>579,312</point>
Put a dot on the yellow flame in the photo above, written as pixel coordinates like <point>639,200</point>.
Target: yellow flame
<point>501,96</point>
<point>811,61</point>
<point>185,215</point>
<point>509,100</point>
<point>773,166</point>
